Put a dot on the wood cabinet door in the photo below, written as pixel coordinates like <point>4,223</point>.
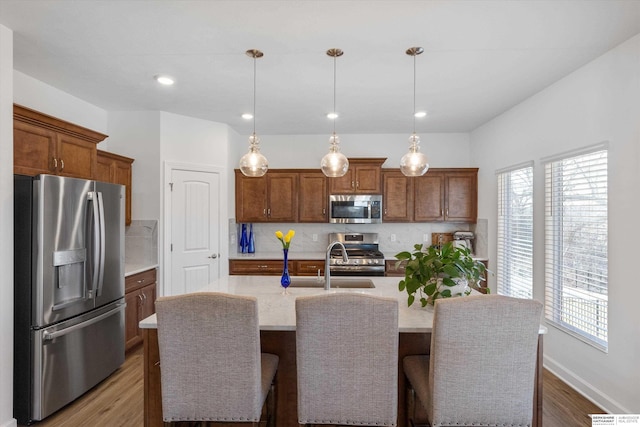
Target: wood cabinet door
<point>368,179</point>
<point>283,197</point>
<point>251,198</point>
<point>313,198</point>
<point>104,170</point>
<point>345,184</point>
<point>76,157</point>
<point>148,306</point>
<point>397,200</point>
<point>123,176</point>
<point>131,330</point>
<point>428,197</point>
<point>461,189</point>
<point>33,149</point>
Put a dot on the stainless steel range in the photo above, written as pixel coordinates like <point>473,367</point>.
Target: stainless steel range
<point>365,259</point>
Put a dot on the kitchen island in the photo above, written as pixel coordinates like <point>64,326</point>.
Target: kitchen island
<point>277,321</point>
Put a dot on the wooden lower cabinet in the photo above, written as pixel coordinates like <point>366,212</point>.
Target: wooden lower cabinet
<point>140,297</point>
<point>273,267</point>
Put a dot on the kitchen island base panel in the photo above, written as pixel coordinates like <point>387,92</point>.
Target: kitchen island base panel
<point>283,344</point>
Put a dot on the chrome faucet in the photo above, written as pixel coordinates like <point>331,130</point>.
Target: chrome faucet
<point>327,273</point>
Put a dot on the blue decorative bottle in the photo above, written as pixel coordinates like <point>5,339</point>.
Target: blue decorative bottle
<point>244,240</point>
<point>251,246</point>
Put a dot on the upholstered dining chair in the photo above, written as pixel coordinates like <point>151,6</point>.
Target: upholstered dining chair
<point>347,359</point>
<point>211,367</point>
<point>482,362</point>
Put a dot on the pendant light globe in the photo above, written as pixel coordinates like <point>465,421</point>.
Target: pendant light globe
<point>254,163</point>
<point>414,163</point>
<point>334,164</point>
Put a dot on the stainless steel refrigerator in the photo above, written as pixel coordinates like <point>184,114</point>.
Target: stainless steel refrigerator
<point>69,290</point>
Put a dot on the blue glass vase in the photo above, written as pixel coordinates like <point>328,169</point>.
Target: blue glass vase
<point>251,246</point>
<point>244,240</point>
<point>285,280</point>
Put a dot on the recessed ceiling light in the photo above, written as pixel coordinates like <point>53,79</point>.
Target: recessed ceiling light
<point>420,114</point>
<point>247,116</point>
<point>332,116</point>
<point>164,80</point>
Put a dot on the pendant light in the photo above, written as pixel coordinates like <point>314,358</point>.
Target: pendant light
<point>254,163</point>
<point>334,164</point>
<point>414,163</point>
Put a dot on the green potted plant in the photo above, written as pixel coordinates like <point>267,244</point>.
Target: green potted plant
<point>439,272</point>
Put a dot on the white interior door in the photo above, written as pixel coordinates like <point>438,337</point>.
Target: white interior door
<point>195,240</point>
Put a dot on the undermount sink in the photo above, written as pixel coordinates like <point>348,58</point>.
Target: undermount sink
<point>335,283</point>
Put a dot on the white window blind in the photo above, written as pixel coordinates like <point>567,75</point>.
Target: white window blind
<point>576,266</point>
<point>515,232</point>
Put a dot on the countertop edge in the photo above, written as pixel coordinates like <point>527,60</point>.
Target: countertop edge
<point>131,269</point>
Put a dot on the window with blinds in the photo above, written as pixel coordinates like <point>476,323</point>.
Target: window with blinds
<point>576,266</point>
<point>514,271</point>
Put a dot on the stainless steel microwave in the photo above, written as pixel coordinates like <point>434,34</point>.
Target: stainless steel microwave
<point>355,209</point>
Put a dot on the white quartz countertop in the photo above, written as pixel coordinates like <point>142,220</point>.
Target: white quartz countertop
<point>130,269</point>
<point>277,311</point>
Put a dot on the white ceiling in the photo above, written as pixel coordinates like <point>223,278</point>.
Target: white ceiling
<point>481,57</point>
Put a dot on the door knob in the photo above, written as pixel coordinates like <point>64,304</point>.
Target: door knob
<point>213,256</point>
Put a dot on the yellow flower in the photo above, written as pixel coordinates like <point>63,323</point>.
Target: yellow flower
<point>285,239</point>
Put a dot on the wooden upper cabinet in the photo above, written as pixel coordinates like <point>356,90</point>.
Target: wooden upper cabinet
<point>447,195</point>
<point>116,169</point>
<point>461,189</point>
<point>429,198</point>
<point>282,190</point>
<point>397,201</point>
<point>363,177</point>
<point>45,144</point>
<point>312,197</point>
<point>270,198</point>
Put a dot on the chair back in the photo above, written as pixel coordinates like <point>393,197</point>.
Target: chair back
<point>209,357</point>
<point>347,359</point>
<point>483,360</point>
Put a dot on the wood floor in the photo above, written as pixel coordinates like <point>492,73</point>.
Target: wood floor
<point>117,402</point>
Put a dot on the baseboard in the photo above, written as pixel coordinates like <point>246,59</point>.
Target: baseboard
<point>582,387</point>
<point>9,423</point>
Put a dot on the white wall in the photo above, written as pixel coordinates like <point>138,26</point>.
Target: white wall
<point>47,99</point>
<point>599,102</point>
<point>6,227</point>
<point>136,134</point>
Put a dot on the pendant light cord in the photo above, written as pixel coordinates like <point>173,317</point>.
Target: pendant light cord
<point>414,93</point>
<point>334,94</point>
<point>254,94</point>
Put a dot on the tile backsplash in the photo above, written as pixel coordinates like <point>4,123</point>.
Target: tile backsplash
<point>393,237</point>
<point>141,242</point>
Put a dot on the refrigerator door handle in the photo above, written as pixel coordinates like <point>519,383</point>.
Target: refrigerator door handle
<point>48,336</point>
<point>102,245</point>
<point>93,198</point>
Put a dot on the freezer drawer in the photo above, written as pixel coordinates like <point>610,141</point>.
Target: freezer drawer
<point>73,356</point>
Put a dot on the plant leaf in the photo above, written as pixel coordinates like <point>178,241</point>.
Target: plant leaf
<point>446,293</point>
<point>411,299</point>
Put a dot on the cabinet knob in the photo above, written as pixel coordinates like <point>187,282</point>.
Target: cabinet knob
<point>55,163</point>
<point>140,281</point>
<point>213,256</point>
<point>61,165</point>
